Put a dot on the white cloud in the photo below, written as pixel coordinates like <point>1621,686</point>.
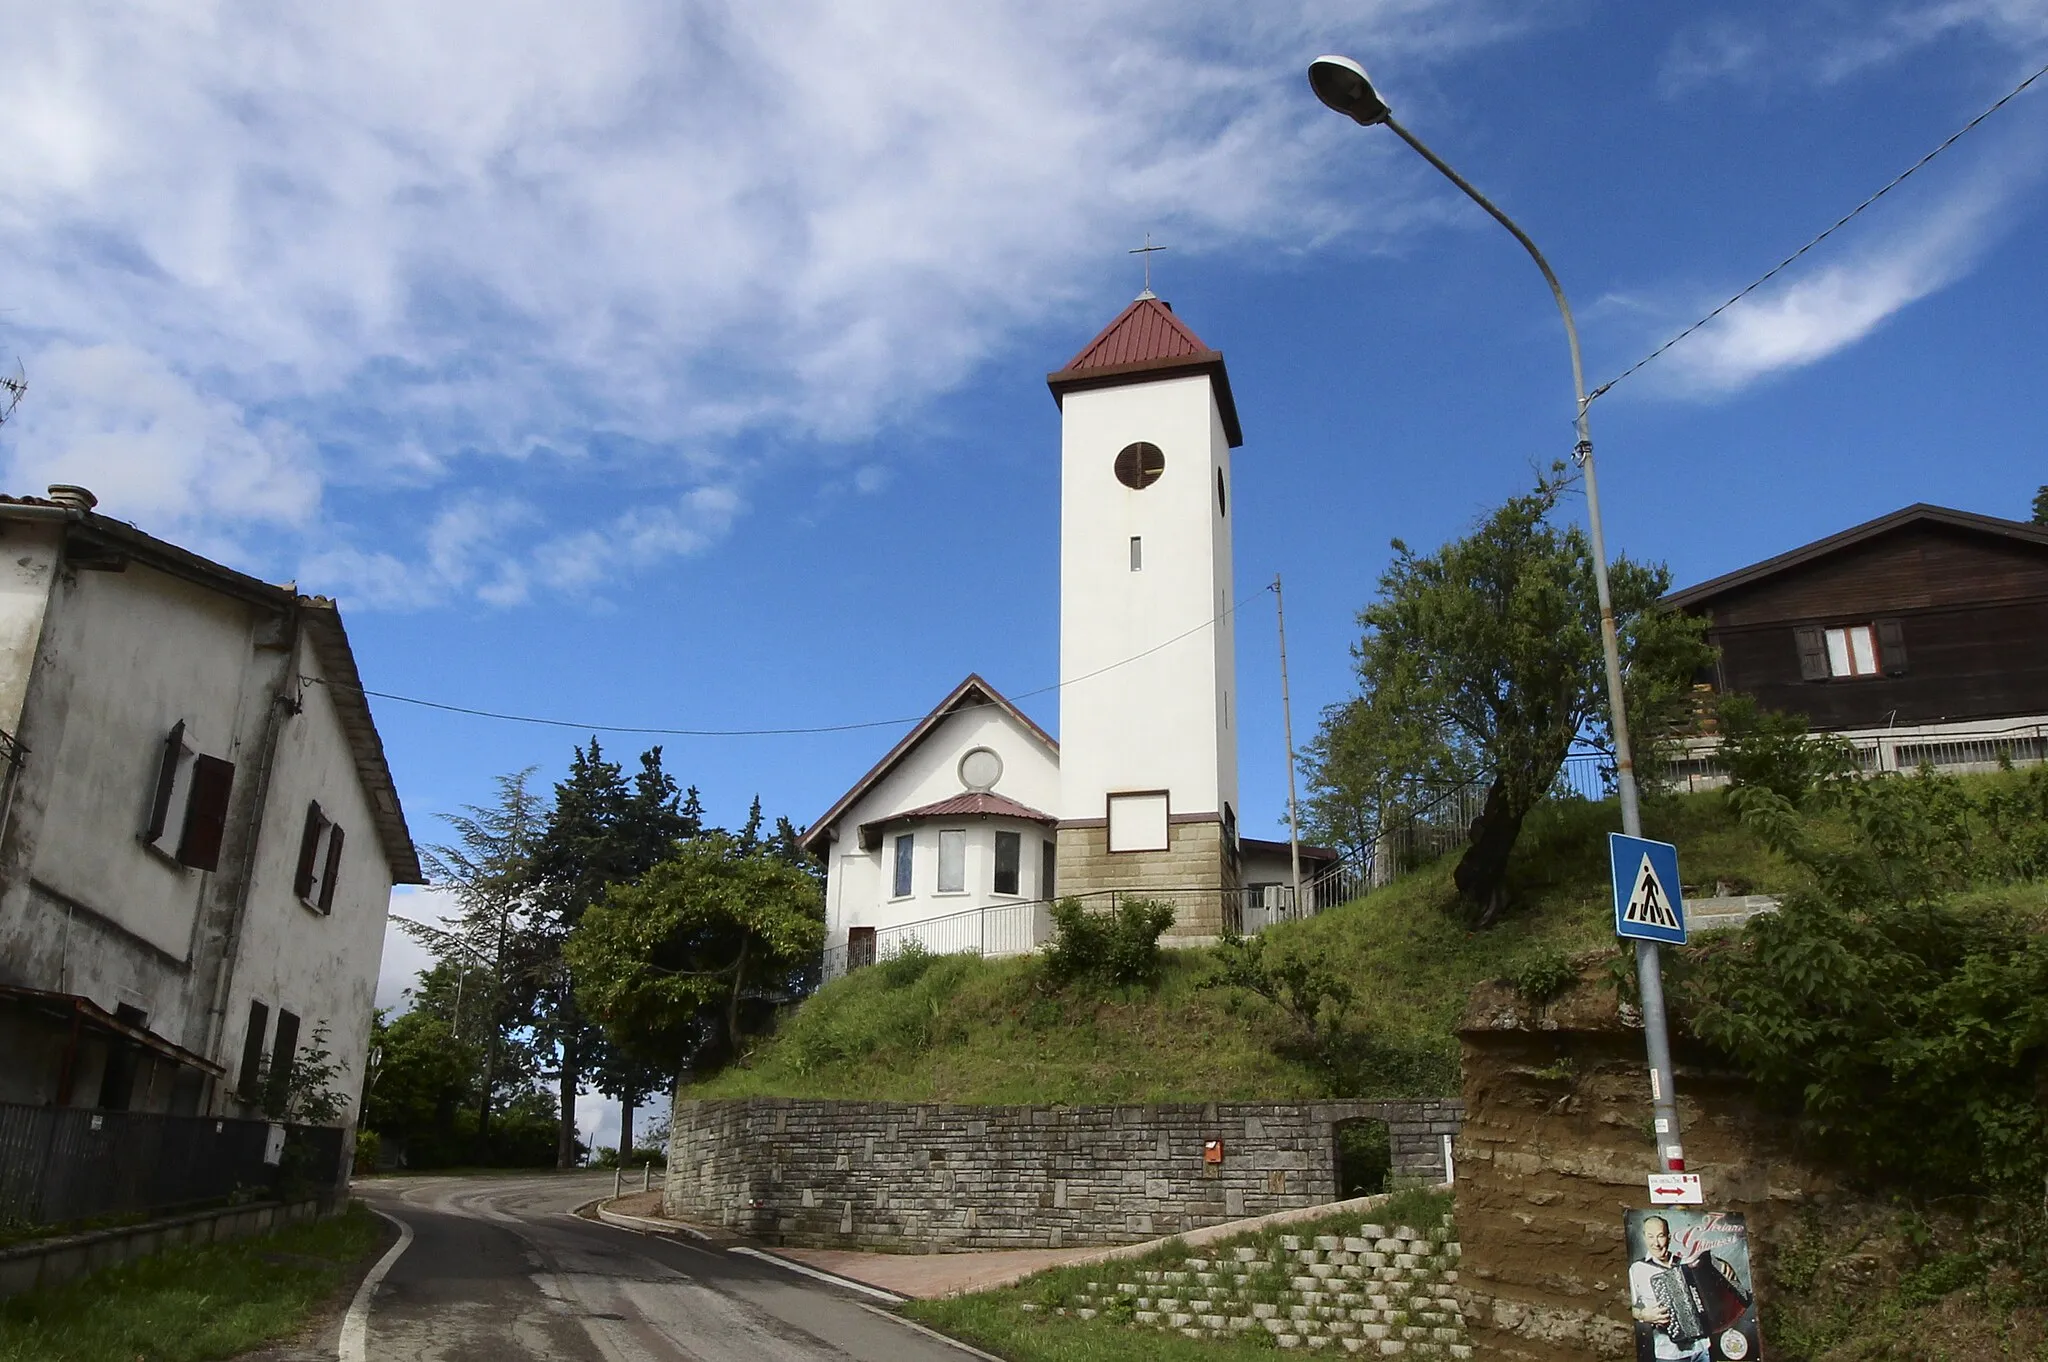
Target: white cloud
<point>428,239</point>
<point>1833,307</point>
<point>404,957</point>
<point>1828,42</point>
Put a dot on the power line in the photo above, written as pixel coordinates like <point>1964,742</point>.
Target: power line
<point>473,712</point>
<point>1771,273</point>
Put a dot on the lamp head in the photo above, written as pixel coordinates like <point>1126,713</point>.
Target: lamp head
<point>1342,84</point>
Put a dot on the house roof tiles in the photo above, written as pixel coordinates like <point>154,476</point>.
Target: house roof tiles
<point>1147,342</point>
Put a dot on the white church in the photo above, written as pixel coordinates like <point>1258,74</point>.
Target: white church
<point>963,834</point>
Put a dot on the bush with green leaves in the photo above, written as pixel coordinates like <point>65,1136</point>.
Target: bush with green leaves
<point>1767,749</point>
<point>1903,1018</point>
<point>1356,1058</point>
<point>1119,947</point>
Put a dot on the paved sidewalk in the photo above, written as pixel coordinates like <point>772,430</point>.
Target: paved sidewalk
<point>927,1275</point>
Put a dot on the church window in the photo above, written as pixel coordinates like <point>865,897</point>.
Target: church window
<point>1137,554</point>
<point>1222,502</point>
<point>1139,465</point>
<point>953,862</point>
<point>980,769</point>
<point>1138,822</point>
<point>1009,851</point>
<point>906,846</point>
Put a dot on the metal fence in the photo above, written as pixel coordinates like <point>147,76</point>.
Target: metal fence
<point>63,1164</point>
<point>1958,751</point>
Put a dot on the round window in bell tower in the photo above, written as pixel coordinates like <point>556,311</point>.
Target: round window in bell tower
<point>1139,465</point>
<point>980,769</point>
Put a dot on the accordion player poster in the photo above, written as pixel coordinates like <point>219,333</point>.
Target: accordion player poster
<point>1690,1292</point>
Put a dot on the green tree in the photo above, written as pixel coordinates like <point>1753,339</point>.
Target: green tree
<point>420,1083</point>
<point>667,962</point>
<point>488,869</point>
<point>1489,650</point>
<point>1370,767</point>
<point>2041,506</point>
<point>602,832</point>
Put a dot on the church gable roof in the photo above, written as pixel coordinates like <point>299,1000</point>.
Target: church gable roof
<point>1147,342</point>
<point>972,693</point>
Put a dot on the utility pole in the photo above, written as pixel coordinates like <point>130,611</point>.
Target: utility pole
<point>1287,728</point>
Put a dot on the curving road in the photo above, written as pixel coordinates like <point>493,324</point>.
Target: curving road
<point>499,1268</point>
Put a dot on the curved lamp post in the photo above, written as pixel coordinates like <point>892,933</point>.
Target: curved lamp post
<point>1342,84</point>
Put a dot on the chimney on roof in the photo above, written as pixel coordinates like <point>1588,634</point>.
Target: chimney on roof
<point>72,497</point>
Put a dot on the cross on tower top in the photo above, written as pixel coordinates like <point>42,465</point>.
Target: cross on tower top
<point>1146,251</point>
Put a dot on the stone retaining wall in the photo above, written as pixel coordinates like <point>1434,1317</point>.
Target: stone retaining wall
<point>904,1176</point>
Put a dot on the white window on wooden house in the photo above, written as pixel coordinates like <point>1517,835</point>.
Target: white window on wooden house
<point>188,813</point>
<point>319,860</point>
<point>1852,650</point>
<point>1138,822</point>
<point>953,861</point>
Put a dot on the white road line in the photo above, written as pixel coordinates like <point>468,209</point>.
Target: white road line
<point>355,1325</point>
<point>849,1283</point>
<point>967,1348</point>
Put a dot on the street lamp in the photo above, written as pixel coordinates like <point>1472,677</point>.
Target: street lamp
<point>1342,84</point>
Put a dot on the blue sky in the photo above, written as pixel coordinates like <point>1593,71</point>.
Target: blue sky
<point>685,368</point>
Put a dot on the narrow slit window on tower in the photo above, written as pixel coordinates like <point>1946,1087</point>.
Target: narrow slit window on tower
<point>1137,554</point>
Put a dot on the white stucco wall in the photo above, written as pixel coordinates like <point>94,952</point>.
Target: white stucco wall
<point>125,656</point>
<point>859,883</point>
<point>87,908</point>
<point>28,560</point>
<point>1167,720</point>
<point>323,968</point>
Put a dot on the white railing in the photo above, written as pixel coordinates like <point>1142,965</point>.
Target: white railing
<point>1951,749</point>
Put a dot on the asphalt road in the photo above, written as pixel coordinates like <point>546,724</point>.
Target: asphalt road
<point>499,1268</point>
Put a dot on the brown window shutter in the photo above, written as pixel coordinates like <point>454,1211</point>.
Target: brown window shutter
<point>1813,653</point>
<point>309,846</point>
<point>1891,647</point>
<point>206,813</point>
<point>166,779</point>
<point>332,873</point>
<point>284,1051</point>
<point>252,1051</point>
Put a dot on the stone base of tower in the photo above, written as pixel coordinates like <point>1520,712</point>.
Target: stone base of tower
<point>1194,874</point>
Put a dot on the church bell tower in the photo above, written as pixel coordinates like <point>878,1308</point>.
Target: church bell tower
<point>1148,725</point>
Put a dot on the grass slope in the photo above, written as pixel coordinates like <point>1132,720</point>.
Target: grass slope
<point>194,1303</point>
<point>962,1029</point>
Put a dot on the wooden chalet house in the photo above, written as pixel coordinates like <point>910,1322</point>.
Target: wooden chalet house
<point>1922,636</point>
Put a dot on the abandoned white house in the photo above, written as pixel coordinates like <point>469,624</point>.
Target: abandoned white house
<point>198,829</point>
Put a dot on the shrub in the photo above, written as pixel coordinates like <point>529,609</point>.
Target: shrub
<point>1766,749</point>
<point>1117,947</point>
<point>369,1145</point>
<point>907,966</point>
<point>1909,1031</point>
<point>1542,975</point>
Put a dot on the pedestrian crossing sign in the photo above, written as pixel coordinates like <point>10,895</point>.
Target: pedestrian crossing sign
<point>1648,903</point>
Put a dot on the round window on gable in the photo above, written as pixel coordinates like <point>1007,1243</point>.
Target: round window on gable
<point>1222,502</point>
<point>980,769</point>
<point>1139,465</point>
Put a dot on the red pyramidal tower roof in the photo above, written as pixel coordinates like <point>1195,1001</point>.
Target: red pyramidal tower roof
<point>1146,343</point>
